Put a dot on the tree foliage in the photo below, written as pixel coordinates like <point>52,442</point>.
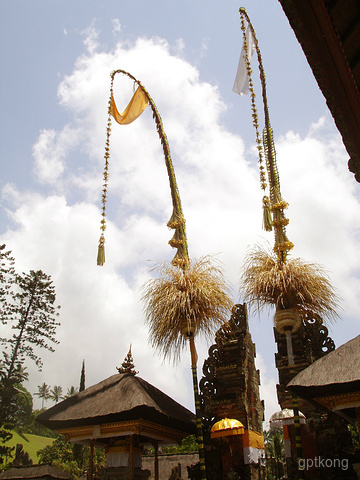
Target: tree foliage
<point>62,454</point>
<point>36,428</point>
<point>82,377</point>
<point>33,318</point>
<point>29,307</point>
<point>7,279</point>
<point>29,316</point>
<point>56,393</point>
<point>274,452</point>
<point>43,393</point>
<point>71,391</point>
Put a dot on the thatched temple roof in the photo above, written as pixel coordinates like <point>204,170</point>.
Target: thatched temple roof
<point>328,32</point>
<point>336,373</point>
<point>34,472</point>
<point>119,398</point>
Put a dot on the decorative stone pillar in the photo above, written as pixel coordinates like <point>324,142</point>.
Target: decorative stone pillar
<point>230,389</point>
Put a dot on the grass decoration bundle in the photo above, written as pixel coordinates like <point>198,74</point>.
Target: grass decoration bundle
<point>181,303</point>
<point>292,286</point>
<point>298,285</point>
<point>189,297</point>
<point>271,278</point>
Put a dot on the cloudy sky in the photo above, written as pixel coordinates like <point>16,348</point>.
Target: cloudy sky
<point>56,58</point>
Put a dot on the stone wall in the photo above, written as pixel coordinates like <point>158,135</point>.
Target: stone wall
<point>168,462</point>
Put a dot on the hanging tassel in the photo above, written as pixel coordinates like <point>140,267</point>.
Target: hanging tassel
<point>267,220</point>
<point>101,251</point>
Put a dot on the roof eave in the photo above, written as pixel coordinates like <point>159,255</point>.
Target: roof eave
<point>318,39</point>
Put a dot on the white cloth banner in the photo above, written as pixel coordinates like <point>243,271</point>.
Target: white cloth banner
<point>253,455</point>
<point>241,84</point>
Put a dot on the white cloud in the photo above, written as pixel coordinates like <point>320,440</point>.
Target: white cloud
<point>91,36</point>
<point>101,314</point>
<point>116,25</point>
<point>50,152</point>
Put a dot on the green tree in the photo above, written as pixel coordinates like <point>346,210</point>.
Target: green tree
<point>71,391</point>
<point>12,407</point>
<point>24,404</point>
<point>5,451</point>
<point>82,377</point>
<point>56,393</point>
<point>27,305</point>
<point>7,279</point>
<point>33,317</point>
<point>32,314</point>
<point>275,453</point>
<point>61,454</point>
<point>43,393</point>
<point>189,444</point>
<point>36,428</point>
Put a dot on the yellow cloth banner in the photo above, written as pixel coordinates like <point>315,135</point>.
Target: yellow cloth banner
<point>253,439</point>
<point>253,443</point>
<point>135,108</point>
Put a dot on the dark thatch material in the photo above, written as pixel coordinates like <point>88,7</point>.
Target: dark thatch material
<point>34,472</point>
<point>335,373</point>
<point>328,32</point>
<point>119,398</point>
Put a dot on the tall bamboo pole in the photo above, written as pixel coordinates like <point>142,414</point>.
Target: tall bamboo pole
<point>199,428</point>
<point>176,222</point>
<point>282,243</point>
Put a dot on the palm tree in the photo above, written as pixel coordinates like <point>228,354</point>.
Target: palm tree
<point>71,391</point>
<point>190,297</point>
<point>275,452</point>
<point>43,393</point>
<point>56,393</point>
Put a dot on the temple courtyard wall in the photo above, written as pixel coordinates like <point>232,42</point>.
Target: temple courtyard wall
<point>168,462</point>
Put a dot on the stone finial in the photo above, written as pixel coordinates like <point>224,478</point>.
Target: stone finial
<point>128,364</point>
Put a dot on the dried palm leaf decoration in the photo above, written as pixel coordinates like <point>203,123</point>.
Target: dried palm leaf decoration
<point>189,297</point>
<point>271,278</point>
<point>292,286</point>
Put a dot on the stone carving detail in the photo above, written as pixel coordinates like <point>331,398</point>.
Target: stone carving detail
<point>226,372</point>
<point>318,334</point>
<point>230,388</point>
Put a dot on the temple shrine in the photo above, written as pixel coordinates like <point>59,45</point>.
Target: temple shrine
<point>122,414</point>
<point>324,434</point>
